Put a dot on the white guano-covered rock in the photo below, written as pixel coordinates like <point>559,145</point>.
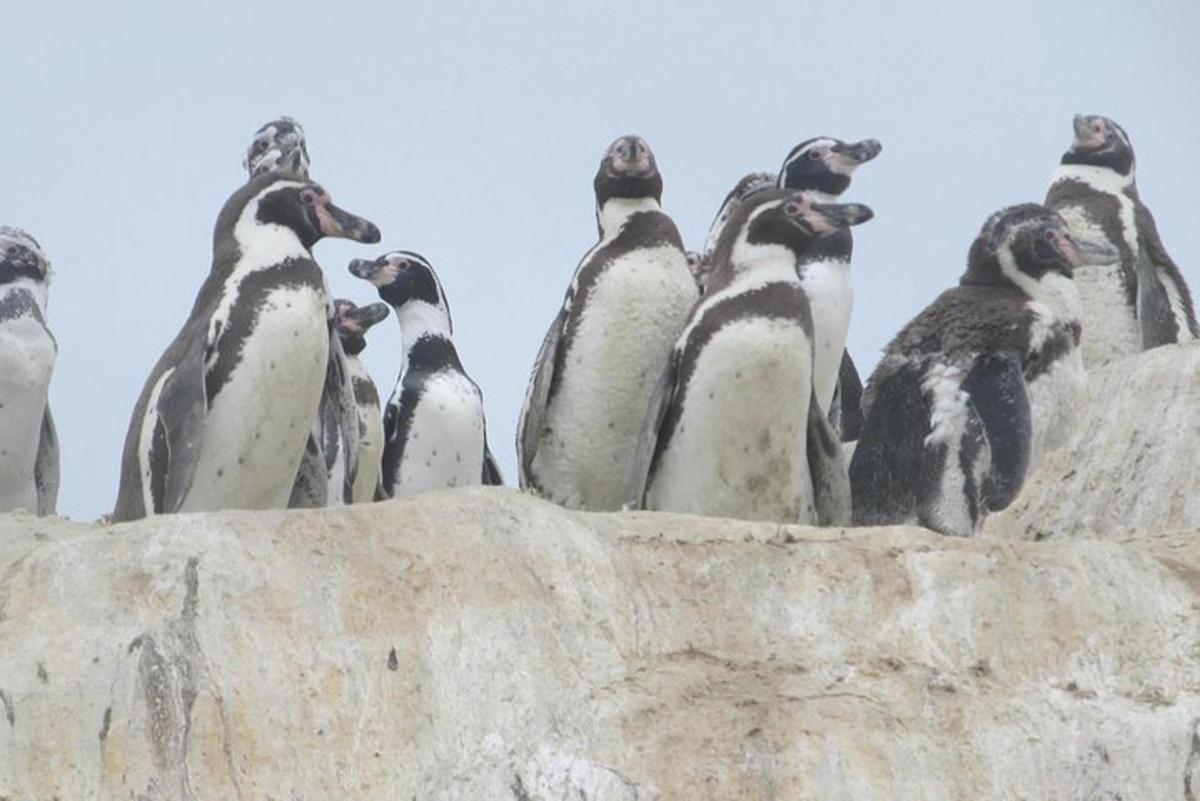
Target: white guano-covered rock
<point>481,644</point>
<point>1134,464</point>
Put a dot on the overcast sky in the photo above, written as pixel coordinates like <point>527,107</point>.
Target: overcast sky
<point>470,133</point>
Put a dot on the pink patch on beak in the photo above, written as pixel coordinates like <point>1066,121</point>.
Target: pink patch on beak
<point>1066,246</point>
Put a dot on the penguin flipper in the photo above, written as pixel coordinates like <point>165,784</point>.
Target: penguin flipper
<point>827,469</point>
<point>45,468</point>
<point>646,453</point>
<point>182,410</point>
<point>891,447</point>
<point>1000,398</point>
<point>491,469</point>
<point>1160,282</point>
<point>537,396</point>
<point>848,400</point>
<point>310,490</point>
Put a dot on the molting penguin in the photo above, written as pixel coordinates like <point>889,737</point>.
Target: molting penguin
<point>1134,297</point>
<point>278,147</point>
<point>435,435</point>
<point>971,393</point>
<point>223,418</point>
<point>746,186</point>
<point>823,167</point>
<point>28,443</point>
<point>353,322</point>
<point>727,435</point>
<point>599,363</point>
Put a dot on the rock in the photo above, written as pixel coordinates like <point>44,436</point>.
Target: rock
<point>481,644</point>
<point>1134,464</point>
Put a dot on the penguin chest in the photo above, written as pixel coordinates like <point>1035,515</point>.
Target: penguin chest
<point>370,433</point>
<point>615,357</point>
<point>831,298</point>
<point>738,447</point>
<point>1057,387</point>
<point>260,418</point>
<point>27,354</point>
<point>444,442</point>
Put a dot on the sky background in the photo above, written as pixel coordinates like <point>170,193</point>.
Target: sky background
<point>470,132</point>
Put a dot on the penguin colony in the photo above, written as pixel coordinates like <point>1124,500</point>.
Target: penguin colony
<point>712,382</point>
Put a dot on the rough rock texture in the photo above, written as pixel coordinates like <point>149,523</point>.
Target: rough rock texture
<point>485,645</point>
<point>1135,462</point>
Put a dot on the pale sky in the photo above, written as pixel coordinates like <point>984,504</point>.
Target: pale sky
<point>470,132</point>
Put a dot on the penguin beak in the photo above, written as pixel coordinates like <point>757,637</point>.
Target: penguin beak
<point>335,222</point>
<point>1086,136</point>
<point>368,316</point>
<point>830,217</point>
<point>366,269</point>
<point>859,152</point>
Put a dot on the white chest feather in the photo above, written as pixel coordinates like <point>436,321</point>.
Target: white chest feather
<point>445,439</point>
<point>739,448</point>
<point>831,296</point>
<point>256,429</point>
<point>27,354</point>
<point>633,315</point>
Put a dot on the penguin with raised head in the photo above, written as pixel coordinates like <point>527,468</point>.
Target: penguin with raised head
<point>605,351</point>
<point>746,186</point>
<point>1134,296</point>
<point>28,442</point>
<point>736,429</point>
<point>823,167</point>
<point>435,434</point>
<point>224,416</point>
<point>978,386</point>
<point>353,322</point>
<point>278,147</point>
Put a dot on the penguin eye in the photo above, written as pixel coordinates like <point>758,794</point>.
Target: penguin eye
<point>793,209</point>
<point>308,197</point>
<point>813,155</point>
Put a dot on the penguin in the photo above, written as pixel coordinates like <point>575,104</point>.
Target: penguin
<point>1134,296</point>
<point>598,365</point>
<point>746,186</point>
<point>223,417</point>
<point>28,441</point>
<point>353,322</point>
<point>823,167</point>
<point>278,147</point>
<point>977,387</point>
<point>726,436</point>
<point>435,434</point>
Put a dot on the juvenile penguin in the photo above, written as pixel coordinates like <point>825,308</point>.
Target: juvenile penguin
<point>736,429</point>
<point>823,167</point>
<point>353,322</point>
<point>278,147</point>
<point>435,435</point>
<point>978,386</point>
<point>28,443</point>
<point>223,418</point>
<point>1134,296</point>
<point>605,351</point>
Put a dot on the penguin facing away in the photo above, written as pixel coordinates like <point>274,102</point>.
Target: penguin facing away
<point>599,363</point>
<point>727,436</point>
<point>977,387</point>
<point>747,185</point>
<point>435,434</point>
<point>353,322</point>
<point>1134,296</point>
<point>28,442</point>
<point>224,415</point>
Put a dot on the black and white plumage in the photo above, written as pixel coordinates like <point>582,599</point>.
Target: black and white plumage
<point>747,185</point>
<point>978,386</point>
<point>352,323</point>
<point>435,434</point>
<point>602,356</point>
<point>28,442</point>
<point>278,147</point>
<point>223,418</point>
<point>736,429</point>
<point>1134,296</point>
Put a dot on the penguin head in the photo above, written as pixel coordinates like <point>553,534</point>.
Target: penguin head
<point>1100,142</point>
<point>402,277</point>
<point>628,170</point>
<point>812,220</point>
<point>21,257</point>
<point>353,321</point>
<point>305,208</point>
<point>1020,246</point>
<point>825,164</point>
<point>279,147</point>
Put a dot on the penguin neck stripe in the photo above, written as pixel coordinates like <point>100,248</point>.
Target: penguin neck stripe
<point>419,318</point>
<point>21,290</point>
<point>616,212</point>
<point>1104,179</point>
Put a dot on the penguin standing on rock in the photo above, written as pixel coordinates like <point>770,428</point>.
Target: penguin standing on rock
<point>605,351</point>
<point>28,443</point>
<point>435,435</point>
<point>978,386</point>
<point>737,429</point>
<point>353,322</point>
<point>1134,296</point>
<point>223,418</point>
